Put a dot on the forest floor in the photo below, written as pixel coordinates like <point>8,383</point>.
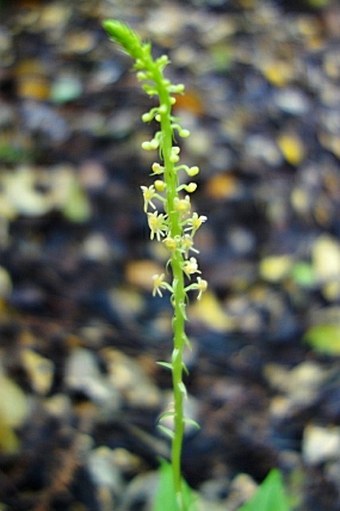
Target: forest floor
<point>80,333</point>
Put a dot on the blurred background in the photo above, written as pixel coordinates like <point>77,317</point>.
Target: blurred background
<point>80,333</point>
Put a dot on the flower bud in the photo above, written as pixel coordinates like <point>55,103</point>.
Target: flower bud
<point>193,171</point>
<point>141,75</point>
<point>159,185</point>
<point>150,145</point>
<point>182,205</point>
<point>170,243</point>
<point>174,156</point>
<point>147,117</point>
<point>191,187</point>
<point>184,133</point>
<point>157,168</point>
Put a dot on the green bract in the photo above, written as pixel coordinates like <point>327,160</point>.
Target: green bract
<point>124,36</point>
<point>171,220</point>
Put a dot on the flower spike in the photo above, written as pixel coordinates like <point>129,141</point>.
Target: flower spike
<point>174,227</point>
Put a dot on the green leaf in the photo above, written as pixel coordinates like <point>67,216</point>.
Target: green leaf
<point>166,415</point>
<point>167,365</point>
<point>270,496</point>
<point>167,431</point>
<point>185,369</point>
<point>324,338</point>
<point>76,207</point>
<point>182,389</point>
<point>165,498</point>
<point>191,422</point>
<point>303,274</point>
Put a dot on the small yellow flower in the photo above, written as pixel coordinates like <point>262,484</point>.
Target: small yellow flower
<point>195,222</point>
<point>187,244</point>
<point>170,243</point>
<point>158,225</point>
<point>149,193</point>
<point>190,266</point>
<point>202,286</point>
<point>182,205</point>
<point>158,284</point>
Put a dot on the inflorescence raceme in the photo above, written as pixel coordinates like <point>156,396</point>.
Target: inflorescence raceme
<point>167,203</point>
<point>171,220</point>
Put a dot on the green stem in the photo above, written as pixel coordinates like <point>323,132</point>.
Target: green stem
<point>177,373</point>
<point>179,295</point>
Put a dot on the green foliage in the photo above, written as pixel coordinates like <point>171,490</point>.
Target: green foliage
<point>270,496</point>
<point>303,274</point>
<point>165,499</point>
<point>324,338</point>
<point>318,4</point>
<point>76,207</point>
<point>13,154</point>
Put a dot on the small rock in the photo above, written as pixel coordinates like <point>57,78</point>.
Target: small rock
<point>66,87</point>
<point>41,118</point>
<point>82,374</point>
<point>79,42</point>
<point>292,101</point>
<point>262,148</point>
<point>127,376</point>
<point>320,444</point>
<point>105,474</point>
<point>140,492</point>
<point>301,384</point>
<point>242,488</point>
<point>96,248</point>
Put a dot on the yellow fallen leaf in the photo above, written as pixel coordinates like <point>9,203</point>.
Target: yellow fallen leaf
<point>278,73</point>
<point>223,186</point>
<point>39,369</point>
<point>292,148</point>
<point>13,402</point>
<point>275,268</point>
<point>209,311</point>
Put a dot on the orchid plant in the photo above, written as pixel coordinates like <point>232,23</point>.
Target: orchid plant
<point>172,222</point>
